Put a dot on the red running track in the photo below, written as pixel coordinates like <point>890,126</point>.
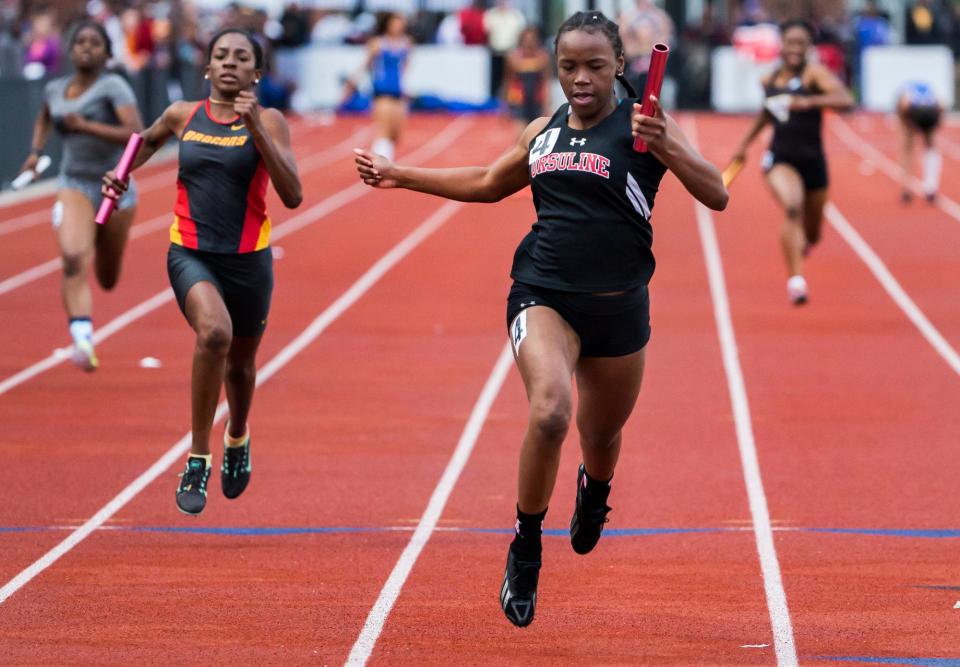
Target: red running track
<point>853,412</point>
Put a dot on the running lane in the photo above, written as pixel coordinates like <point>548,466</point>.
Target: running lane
<point>352,435</point>
<point>68,419</point>
<point>856,424</point>
<point>36,306</point>
<point>675,579</point>
<point>919,243</point>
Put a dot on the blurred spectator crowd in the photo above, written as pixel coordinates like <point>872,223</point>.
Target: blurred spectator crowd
<point>170,35</point>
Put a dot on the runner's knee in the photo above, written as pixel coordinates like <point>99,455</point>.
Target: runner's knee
<point>550,416</point>
<point>74,264</point>
<point>213,338</point>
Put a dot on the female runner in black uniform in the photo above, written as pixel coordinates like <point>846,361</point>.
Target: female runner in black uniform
<point>220,263</point>
<point>578,306</point>
<point>795,165</point>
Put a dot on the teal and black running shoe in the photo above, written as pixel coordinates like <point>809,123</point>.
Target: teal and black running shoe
<point>192,492</point>
<point>235,470</point>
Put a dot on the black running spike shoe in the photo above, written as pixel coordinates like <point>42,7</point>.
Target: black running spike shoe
<point>518,594</point>
<point>589,515</point>
<point>192,492</point>
<point>235,470</point>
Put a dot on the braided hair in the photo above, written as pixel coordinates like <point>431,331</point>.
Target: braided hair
<point>595,21</point>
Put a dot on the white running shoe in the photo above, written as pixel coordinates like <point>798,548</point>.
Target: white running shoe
<point>797,290</point>
<point>83,355</point>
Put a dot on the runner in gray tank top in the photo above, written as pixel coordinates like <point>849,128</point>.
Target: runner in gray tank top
<point>94,113</point>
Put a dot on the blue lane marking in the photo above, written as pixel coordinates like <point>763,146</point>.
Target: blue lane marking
<point>889,532</point>
<point>22,529</point>
<point>610,532</point>
<point>313,530</point>
<point>946,533</point>
<point>920,662</point>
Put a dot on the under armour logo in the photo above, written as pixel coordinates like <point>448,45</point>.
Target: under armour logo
<point>578,142</point>
<point>528,303</point>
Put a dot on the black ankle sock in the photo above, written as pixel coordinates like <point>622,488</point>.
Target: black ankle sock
<point>597,489</point>
<point>526,541</point>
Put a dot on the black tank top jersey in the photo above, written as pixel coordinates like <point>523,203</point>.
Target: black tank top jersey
<point>593,194</point>
<point>221,187</point>
<point>800,136</point>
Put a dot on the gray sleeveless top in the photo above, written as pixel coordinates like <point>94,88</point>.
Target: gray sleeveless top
<point>86,156</point>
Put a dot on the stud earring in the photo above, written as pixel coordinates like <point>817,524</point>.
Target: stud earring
<point>256,80</point>
<point>206,76</point>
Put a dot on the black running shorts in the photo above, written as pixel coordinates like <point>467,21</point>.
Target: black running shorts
<point>244,280</point>
<point>812,170</point>
<point>608,326</point>
<point>924,118</point>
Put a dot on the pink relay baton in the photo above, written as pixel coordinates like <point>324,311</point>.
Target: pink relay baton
<point>123,173</point>
<point>658,64</point>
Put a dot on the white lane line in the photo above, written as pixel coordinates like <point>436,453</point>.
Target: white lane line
<point>892,286</point>
<point>24,221</point>
<point>28,276</point>
<point>101,334</point>
<point>53,265</point>
<point>285,356</point>
<point>781,625</point>
<point>307,164</point>
<point>870,152</point>
<point>436,145</point>
<point>367,640</point>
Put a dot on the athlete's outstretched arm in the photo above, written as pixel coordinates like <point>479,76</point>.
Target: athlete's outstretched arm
<point>666,142</point>
<point>760,122</point>
<point>271,135</point>
<point>170,123</point>
<point>834,95</point>
<point>508,173</point>
<point>41,133</point>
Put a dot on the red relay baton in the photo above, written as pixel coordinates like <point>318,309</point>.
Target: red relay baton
<point>123,173</point>
<point>658,64</point>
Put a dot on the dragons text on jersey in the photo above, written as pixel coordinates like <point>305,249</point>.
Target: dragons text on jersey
<point>221,187</point>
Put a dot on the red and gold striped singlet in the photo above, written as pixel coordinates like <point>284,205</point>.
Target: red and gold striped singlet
<point>221,187</point>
